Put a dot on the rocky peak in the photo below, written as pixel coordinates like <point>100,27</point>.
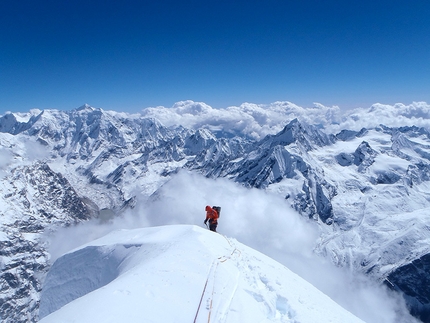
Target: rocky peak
<point>10,124</point>
<point>86,106</point>
<point>346,135</point>
<point>305,136</point>
<point>198,141</point>
<point>35,199</point>
<point>364,155</point>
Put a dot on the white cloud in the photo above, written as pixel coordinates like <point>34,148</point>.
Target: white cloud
<point>398,115</point>
<point>6,157</point>
<point>259,120</point>
<point>34,150</point>
<point>250,119</point>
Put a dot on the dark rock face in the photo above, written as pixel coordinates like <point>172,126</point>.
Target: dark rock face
<point>345,159</point>
<point>19,284</point>
<point>45,199</point>
<point>413,280</point>
<point>9,124</point>
<point>387,178</point>
<point>346,135</point>
<point>323,205</point>
<point>364,156</point>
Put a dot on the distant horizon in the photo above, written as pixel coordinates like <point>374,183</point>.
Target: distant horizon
<point>128,56</point>
<point>69,107</point>
<point>257,121</point>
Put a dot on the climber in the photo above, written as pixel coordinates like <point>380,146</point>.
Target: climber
<point>211,216</point>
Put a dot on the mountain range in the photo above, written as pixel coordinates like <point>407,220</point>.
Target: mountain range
<point>365,191</point>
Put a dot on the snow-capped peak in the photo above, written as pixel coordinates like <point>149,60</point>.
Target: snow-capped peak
<point>86,106</point>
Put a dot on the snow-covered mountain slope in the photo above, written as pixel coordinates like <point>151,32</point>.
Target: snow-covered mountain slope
<point>366,188</point>
<point>34,199</point>
<point>179,274</point>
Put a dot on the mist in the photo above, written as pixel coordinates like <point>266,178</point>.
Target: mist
<point>6,157</point>
<point>256,218</point>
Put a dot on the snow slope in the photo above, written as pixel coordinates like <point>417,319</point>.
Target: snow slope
<point>179,273</point>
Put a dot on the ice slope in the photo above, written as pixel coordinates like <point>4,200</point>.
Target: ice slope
<point>179,273</point>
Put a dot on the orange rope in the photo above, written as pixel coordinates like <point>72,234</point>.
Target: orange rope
<point>203,293</point>
<point>212,296</point>
<point>220,260</point>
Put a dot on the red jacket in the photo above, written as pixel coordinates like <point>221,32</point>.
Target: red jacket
<point>211,215</point>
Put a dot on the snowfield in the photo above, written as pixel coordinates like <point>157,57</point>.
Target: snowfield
<point>179,273</point>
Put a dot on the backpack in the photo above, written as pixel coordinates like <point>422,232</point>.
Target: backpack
<point>217,209</point>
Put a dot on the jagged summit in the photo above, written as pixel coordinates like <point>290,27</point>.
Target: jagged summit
<point>13,124</point>
<point>86,106</point>
<point>305,136</point>
<point>346,135</point>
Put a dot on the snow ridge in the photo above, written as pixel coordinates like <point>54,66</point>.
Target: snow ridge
<point>199,274</point>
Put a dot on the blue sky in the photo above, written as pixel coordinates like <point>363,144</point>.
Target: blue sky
<point>128,55</point>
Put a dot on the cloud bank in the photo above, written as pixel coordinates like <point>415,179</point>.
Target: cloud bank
<point>252,120</point>
<point>259,120</point>
<point>256,218</point>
